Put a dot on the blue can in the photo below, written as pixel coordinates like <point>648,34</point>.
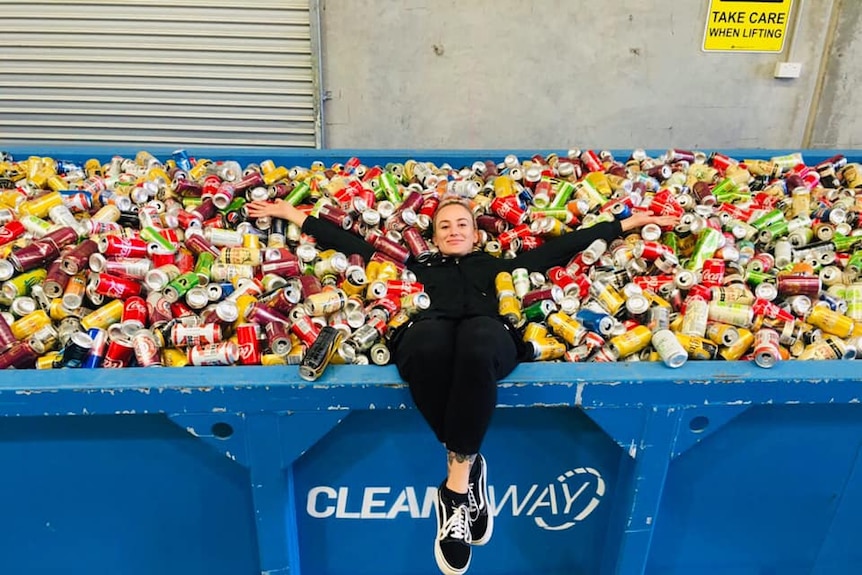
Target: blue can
<point>598,322</point>
<point>181,158</point>
<point>97,352</point>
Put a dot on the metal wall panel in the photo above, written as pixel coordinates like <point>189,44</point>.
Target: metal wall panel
<point>170,72</point>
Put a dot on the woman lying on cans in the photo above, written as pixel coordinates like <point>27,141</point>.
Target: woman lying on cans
<point>453,353</point>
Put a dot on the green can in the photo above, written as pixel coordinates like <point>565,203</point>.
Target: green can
<point>203,267</point>
<point>21,285</point>
<point>539,311</point>
<point>152,235</point>
<point>389,185</point>
<point>563,194</point>
<point>301,191</point>
<point>180,286</point>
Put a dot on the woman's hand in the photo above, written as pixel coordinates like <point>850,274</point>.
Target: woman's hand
<point>278,209</point>
<point>640,219</point>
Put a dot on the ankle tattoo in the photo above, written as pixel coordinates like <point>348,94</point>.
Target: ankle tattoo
<point>459,458</point>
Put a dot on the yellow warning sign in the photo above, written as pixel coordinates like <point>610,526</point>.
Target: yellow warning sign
<point>746,25</point>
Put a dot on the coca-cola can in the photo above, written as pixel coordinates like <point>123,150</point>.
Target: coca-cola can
<point>508,209</point>
<point>305,330</point>
<point>117,246</point>
<point>712,273</point>
<point>135,312</point>
<point>249,344</point>
<point>119,352</point>
<point>114,286</point>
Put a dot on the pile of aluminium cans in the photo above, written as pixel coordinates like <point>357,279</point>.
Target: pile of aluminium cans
<point>154,262</point>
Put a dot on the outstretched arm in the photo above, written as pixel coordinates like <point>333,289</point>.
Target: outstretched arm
<point>327,234</point>
<point>560,250</point>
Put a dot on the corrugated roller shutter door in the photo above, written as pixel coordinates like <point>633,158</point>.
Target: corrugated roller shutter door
<point>173,72</point>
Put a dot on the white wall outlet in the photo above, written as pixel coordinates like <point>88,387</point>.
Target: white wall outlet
<point>788,69</point>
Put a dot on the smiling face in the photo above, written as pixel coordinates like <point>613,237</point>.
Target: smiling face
<point>454,231</point>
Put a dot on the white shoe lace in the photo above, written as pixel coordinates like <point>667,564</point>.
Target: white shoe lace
<point>456,526</point>
<point>473,504</point>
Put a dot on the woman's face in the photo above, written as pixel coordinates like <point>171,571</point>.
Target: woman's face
<point>454,232</point>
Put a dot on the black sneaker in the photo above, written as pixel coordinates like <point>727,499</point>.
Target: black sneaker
<point>452,544</point>
<point>481,520</point>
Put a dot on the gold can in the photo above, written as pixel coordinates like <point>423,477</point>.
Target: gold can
<point>722,333</point>
<point>40,206</point>
<point>199,169</point>
<point>93,168</point>
<point>510,308</point>
<point>548,349</point>
<point>172,357</point>
<point>738,349</point>
<point>251,241</point>
<point>108,314</point>
<point>50,360</point>
<point>535,332</point>
<point>830,321</point>
<point>279,173</point>
<point>58,312</point>
<point>610,299</point>
<point>505,284</point>
<point>566,327</point>
<point>504,186</point>
<point>697,347</point>
<point>26,326</point>
<point>272,359</point>
<point>632,341</point>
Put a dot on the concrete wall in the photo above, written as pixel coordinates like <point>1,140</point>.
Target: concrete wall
<point>557,74</point>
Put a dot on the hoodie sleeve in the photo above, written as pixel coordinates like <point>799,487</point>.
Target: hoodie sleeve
<point>330,236</point>
<point>559,251</point>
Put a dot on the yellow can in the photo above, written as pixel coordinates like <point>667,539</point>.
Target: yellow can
<point>599,181</point>
<point>697,347</point>
<point>504,186</point>
<point>57,311</point>
<point>272,359</point>
<point>200,168</point>
<point>279,173</point>
<point>610,299</point>
<point>548,349</point>
<point>108,314</point>
<point>26,326</point>
<point>632,341</point>
<point>50,360</point>
<point>40,206</point>
<point>566,327</point>
<point>172,357</point>
<point>21,284</point>
<point>93,168</point>
<point>505,284</point>
<point>738,349</point>
<point>510,308</point>
<point>830,321</point>
<point>535,332</point>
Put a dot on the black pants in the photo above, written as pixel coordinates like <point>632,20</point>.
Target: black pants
<point>452,367</point>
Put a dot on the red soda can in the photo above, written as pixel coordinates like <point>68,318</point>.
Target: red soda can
<point>249,344</point>
<point>712,273</point>
<point>180,309</point>
<point>114,245</point>
<point>11,232</point>
<point>771,310</point>
<point>185,261</point>
<point>135,311</point>
<point>119,353</point>
<point>305,330</point>
<point>508,209</point>
<point>114,286</point>
<point>561,277</point>
<point>531,242</point>
<point>665,204</point>
<point>591,161</point>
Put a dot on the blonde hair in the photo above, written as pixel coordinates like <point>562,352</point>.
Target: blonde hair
<point>451,200</point>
